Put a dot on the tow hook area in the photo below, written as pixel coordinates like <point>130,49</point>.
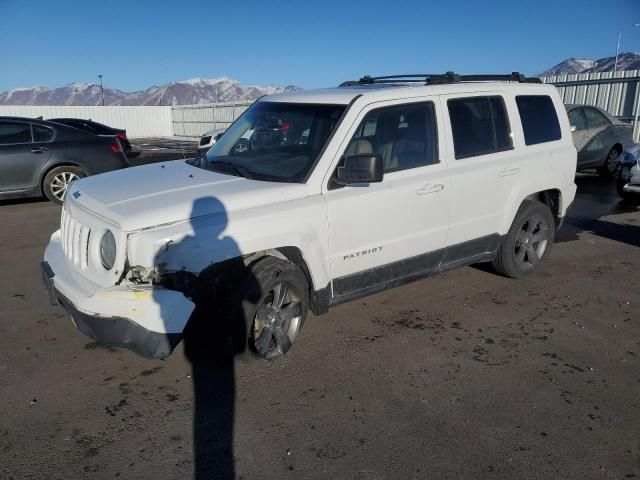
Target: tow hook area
<point>180,281</point>
<point>141,275</point>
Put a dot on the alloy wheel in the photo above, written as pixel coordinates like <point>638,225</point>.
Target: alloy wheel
<point>612,161</point>
<point>60,184</point>
<point>277,321</point>
<point>531,242</point>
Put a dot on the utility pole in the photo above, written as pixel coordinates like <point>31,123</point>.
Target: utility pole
<point>101,89</point>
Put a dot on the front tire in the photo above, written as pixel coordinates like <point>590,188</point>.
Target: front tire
<point>274,321</point>
<point>57,182</point>
<point>529,239</point>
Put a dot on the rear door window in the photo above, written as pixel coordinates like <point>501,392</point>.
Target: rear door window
<point>539,119</point>
<point>14,132</point>
<point>595,119</point>
<point>480,125</point>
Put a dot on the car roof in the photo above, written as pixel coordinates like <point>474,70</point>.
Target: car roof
<point>68,119</point>
<point>375,92</point>
<point>25,119</point>
<point>20,119</point>
<point>61,128</point>
<point>571,106</point>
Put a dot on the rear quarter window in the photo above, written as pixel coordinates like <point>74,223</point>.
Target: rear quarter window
<point>539,119</point>
<point>42,134</point>
<point>595,118</point>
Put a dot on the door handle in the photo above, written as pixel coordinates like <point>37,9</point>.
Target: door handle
<point>38,149</point>
<point>509,171</point>
<point>431,188</point>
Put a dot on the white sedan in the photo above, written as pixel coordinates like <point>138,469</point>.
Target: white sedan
<point>209,139</point>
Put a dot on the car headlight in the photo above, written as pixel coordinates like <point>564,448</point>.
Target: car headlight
<point>627,159</point>
<point>108,250</point>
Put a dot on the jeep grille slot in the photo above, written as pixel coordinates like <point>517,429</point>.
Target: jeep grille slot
<point>75,240</point>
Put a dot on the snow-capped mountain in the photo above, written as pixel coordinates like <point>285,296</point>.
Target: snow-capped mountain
<point>192,91</point>
<point>73,94</point>
<point>569,67</point>
<point>626,61</point>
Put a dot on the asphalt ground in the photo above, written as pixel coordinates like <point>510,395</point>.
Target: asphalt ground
<point>459,376</point>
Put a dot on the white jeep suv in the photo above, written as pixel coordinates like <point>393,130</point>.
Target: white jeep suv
<point>336,194</point>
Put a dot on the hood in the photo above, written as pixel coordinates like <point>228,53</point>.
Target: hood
<point>162,193</point>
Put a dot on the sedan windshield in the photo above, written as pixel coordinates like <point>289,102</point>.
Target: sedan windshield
<point>274,141</point>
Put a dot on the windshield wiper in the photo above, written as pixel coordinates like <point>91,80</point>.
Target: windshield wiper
<point>243,172</point>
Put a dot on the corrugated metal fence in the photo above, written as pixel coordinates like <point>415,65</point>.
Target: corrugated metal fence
<point>194,120</point>
<point>138,121</point>
<point>616,92</point>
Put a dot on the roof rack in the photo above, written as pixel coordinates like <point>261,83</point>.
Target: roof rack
<point>440,78</point>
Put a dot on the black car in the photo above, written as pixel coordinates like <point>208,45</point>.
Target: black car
<point>38,157</point>
<point>97,129</point>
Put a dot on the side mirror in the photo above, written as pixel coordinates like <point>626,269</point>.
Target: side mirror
<point>360,168</point>
<point>573,128</point>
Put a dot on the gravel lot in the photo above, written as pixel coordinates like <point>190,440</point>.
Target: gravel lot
<point>464,375</point>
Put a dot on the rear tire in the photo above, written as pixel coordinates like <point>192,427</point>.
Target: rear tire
<point>610,166</point>
<point>57,182</point>
<point>528,241</point>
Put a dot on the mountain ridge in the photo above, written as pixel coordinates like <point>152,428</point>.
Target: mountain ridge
<point>196,90</point>
<point>571,66</point>
<point>201,90</point>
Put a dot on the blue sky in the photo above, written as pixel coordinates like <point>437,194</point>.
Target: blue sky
<point>137,43</point>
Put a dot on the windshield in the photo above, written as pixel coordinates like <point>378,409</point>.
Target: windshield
<point>274,141</point>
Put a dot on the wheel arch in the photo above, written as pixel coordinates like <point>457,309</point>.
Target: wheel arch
<point>47,170</point>
<point>551,197</point>
<point>318,295</point>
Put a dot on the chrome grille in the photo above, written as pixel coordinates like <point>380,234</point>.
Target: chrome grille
<point>75,239</point>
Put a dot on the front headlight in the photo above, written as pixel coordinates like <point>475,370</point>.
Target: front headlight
<point>108,250</point>
<point>627,159</point>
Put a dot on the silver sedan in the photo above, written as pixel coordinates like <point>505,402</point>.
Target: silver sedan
<point>598,137</point>
<point>209,139</point>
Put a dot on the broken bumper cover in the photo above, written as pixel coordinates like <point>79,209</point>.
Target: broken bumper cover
<point>147,320</point>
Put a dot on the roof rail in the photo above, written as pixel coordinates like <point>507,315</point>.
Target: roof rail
<point>440,78</point>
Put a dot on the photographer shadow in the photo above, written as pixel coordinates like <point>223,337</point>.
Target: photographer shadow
<point>214,336</point>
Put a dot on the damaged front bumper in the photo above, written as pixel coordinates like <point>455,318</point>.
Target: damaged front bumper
<point>148,320</point>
